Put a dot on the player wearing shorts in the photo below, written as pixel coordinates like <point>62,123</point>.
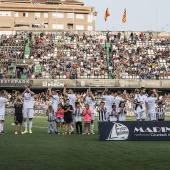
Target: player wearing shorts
<point>55,102</point>
<point>18,117</point>
<point>151,110</point>
<point>109,100</point>
<point>28,112</point>
<point>89,99</point>
<point>3,100</point>
<point>140,101</point>
<point>72,97</point>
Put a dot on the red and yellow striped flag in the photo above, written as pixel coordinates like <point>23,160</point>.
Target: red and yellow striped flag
<point>106,14</point>
<point>124,17</point>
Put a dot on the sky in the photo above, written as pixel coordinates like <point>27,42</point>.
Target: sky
<point>142,15</point>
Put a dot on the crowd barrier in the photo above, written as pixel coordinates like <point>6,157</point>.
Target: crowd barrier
<point>42,112</point>
<point>134,130</point>
<point>80,83</point>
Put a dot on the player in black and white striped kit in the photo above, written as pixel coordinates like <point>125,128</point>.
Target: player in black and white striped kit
<point>50,114</point>
<point>102,112</point>
<point>160,112</point>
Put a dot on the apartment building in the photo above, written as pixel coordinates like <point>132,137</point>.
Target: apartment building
<point>47,15</point>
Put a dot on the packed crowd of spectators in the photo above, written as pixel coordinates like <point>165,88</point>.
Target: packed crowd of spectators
<point>70,56</point>
<point>11,47</point>
<point>74,56</point>
<point>140,56</point>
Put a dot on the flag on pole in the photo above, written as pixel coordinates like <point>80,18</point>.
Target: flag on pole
<point>124,16</point>
<point>106,14</point>
<point>95,13</point>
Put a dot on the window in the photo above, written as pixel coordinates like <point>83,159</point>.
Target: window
<point>45,25</point>
<point>45,14</point>
<point>57,15</point>
<point>89,18</point>
<point>25,14</point>
<point>37,14</point>
<point>57,26</point>
<point>79,27</point>
<point>70,15</point>
<point>90,28</point>
<point>79,16</point>
<point>16,14</point>
<point>5,13</point>
<point>69,26</point>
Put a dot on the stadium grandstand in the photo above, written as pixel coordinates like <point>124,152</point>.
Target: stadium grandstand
<point>81,55</point>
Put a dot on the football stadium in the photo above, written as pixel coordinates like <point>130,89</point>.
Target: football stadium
<point>84,85</point>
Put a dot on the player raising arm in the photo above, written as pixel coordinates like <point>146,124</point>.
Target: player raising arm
<point>55,102</point>
<point>72,97</point>
<point>109,100</point>
<point>150,109</point>
<point>28,112</point>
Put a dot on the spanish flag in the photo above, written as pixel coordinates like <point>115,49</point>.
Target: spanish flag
<point>106,14</point>
<point>124,17</point>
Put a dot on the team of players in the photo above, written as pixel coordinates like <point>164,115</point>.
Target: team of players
<point>110,109</point>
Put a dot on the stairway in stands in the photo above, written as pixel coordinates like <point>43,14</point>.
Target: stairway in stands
<point>27,51</point>
<point>108,59</point>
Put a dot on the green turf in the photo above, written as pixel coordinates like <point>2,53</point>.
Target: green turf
<point>71,152</point>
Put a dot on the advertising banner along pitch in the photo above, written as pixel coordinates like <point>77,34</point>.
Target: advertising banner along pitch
<point>131,130</point>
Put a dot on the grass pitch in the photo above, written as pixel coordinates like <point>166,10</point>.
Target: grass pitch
<point>42,151</point>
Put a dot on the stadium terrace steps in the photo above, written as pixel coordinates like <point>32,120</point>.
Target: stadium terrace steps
<point>108,45</point>
<point>27,51</point>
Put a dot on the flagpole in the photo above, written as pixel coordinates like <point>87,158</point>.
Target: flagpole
<point>157,22</point>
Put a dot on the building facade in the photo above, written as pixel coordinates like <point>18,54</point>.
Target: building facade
<point>46,15</point>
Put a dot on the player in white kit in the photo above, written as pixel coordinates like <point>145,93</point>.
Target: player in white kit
<point>121,97</point>
<point>28,111</point>
<point>151,109</point>
<point>89,99</point>
<point>140,101</point>
<point>109,100</point>
<point>55,102</point>
<point>72,97</point>
<point>3,100</point>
